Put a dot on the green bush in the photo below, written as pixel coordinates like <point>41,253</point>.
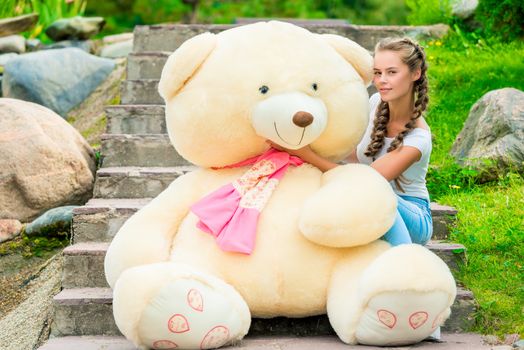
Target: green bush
<point>504,19</point>
<point>429,11</point>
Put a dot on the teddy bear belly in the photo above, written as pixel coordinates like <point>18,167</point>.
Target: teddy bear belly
<point>285,275</point>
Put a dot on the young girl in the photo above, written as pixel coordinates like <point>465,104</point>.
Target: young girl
<point>397,142</point>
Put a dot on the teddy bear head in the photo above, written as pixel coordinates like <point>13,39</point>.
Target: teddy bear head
<point>227,93</point>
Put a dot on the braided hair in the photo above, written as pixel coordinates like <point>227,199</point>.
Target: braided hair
<point>413,55</point>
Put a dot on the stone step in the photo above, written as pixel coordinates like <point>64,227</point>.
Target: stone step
<point>100,218</point>
<point>449,341</point>
<point>84,262</point>
<point>141,150</point>
<point>145,65</point>
<point>136,119</point>
<point>169,37</point>
<point>135,182</point>
<point>88,311</point>
<point>142,91</point>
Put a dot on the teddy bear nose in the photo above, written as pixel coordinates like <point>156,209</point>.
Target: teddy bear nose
<point>302,119</point>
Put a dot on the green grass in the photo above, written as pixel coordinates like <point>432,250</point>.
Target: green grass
<point>490,221</point>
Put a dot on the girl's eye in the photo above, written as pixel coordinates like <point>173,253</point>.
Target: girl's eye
<point>314,86</point>
<point>263,89</point>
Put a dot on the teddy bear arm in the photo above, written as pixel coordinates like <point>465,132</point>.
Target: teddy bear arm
<point>355,205</point>
<point>146,237</point>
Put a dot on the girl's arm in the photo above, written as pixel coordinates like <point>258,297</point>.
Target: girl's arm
<point>393,164</point>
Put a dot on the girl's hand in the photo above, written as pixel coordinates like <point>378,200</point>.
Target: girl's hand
<point>303,152</point>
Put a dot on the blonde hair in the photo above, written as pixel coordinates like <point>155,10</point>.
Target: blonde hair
<point>413,55</point>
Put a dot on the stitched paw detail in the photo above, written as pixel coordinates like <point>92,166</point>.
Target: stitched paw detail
<point>215,338</point>
<point>195,300</point>
<point>178,324</point>
<point>164,345</point>
<point>387,318</point>
<point>417,319</point>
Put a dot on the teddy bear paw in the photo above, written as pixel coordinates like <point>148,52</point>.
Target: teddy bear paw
<point>191,314</point>
<point>402,317</point>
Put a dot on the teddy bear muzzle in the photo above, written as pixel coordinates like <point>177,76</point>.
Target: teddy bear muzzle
<point>292,120</point>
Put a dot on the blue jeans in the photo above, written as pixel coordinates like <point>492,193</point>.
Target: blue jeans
<point>413,223</point>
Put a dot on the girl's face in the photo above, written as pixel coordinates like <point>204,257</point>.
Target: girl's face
<point>392,77</point>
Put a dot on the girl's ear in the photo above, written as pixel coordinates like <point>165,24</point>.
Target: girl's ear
<point>355,54</point>
<point>184,62</point>
<point>416,74</point>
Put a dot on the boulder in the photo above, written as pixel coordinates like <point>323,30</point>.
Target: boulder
<point>15,25</point>
<point>120,49</point>
<point>9,229</point>
<point>44,161</point>
<point>6,57</point>
<point>75,28</point>
<point>492,139</point>
<point>58,79</point>
<point>52,221</point>
<point>12,43</point>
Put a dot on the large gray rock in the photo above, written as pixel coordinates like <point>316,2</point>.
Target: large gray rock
<point>5,57</point>
<point>75,28</point>
<point>58,79</point>
<point>44,161</point>
<point>493,135</point>
<point>15,25</point>
<point>12,43</point>
<point>120,49</point>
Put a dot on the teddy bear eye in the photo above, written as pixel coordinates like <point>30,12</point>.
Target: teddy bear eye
<point>263,89</point>
<point>314,86</point>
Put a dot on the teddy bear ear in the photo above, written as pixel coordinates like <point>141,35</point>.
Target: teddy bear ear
<point>184,62</point>
<point>355,54</point>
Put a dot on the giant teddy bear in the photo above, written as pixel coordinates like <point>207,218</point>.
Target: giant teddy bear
<point>305,242</point>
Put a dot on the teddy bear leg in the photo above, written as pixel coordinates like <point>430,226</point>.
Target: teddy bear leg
<point>400,298</point>
<point>171,305</point>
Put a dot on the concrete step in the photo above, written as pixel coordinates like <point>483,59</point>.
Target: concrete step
<point>169,37</point>
<point>143,91</point>
<point>136,119</point>
<point>84,262</point>
<point>145,65</point>
<point>100,218</point>
<point>449,341</point>
<point>135,182</point>
<point>144,150</point>
<point>88,311</point>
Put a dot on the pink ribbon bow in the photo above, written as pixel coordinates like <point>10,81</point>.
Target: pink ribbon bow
<point>231,213</point>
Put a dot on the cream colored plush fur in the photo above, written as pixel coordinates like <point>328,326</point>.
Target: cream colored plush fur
<point>317,247</point>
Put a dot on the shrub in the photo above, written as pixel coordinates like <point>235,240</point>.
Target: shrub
<point>428,11</point>
<point>504,19</point>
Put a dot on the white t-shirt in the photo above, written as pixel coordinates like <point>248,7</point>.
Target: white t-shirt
<point>416,174</point>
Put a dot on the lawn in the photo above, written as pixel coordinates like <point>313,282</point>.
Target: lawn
<point>490,221</point>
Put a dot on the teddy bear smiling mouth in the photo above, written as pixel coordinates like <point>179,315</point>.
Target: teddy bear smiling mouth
<point>301,137</point>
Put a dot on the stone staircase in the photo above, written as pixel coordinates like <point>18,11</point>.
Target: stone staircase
<point>138,162</point>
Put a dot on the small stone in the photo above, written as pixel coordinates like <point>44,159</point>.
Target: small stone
<point>519,345</point>
<point>53,220</point>
<point>116,38</point>
<point>12,43</point>
<point>15,25</point>
<point>32,45</point>
<point>75,28</point>
<point>9,229</point>
<point>120,49</point>
<point>464,8</point>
